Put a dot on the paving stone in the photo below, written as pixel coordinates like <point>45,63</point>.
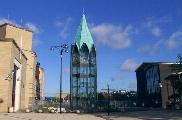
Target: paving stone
<point>137,115</point>
<point>45,116</point>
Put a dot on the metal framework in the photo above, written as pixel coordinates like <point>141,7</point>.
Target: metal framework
<point>83,78</point>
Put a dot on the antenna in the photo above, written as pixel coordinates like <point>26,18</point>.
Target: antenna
<point>21,21</point>
<point>8,17</point>
<point>83,11</point>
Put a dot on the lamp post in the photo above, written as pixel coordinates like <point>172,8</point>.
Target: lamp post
<point>108,98</point>
<point>61,48</point>
<point>180,62</point>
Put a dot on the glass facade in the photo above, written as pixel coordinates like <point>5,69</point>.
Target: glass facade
<point>148,85</point>
<point>83,78</point>
<point>153,80</point>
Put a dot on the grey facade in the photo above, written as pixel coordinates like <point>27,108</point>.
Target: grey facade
<point>153,89</point>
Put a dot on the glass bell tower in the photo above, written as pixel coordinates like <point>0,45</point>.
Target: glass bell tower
<point>83,70</point>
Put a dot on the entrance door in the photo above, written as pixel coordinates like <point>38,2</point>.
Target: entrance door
<point>14,85</point>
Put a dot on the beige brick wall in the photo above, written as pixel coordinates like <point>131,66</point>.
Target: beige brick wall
<point>31,81</point>
<point>2,32</point>
<point>18,34</point>
<point>10,52</point>
<point>41,78</point>
<point>23,39</point>
<point>16,55</point>
<point>5,69</point>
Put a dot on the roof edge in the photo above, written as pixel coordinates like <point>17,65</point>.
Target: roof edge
<point>152,63</point>
<point>16,26</point>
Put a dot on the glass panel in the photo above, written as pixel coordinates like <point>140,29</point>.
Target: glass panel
<point>84,87</point>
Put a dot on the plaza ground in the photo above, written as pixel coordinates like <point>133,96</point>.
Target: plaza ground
<point>137,115</point>
<point>47,116</point>
<point>145,115</point>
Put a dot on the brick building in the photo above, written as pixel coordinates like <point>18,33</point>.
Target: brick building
<point>17,68</point>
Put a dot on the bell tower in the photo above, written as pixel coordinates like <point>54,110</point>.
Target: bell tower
<point>83,72</point>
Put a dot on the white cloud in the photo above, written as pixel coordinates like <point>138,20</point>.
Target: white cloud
<point>150,49</point>
<point>64,26</point>
<point>153,24</point>
<point>129,65</point>
<point>175,40</point>
<point>28,25</point>
<point>156,31</point>
<point>112,35</point>
<point>32,27</point>
<point>5,20</point>
<point>159,20</point>
<point>36,42</point>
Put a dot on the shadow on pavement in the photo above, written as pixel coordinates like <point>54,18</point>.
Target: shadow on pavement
<point>144,115</point>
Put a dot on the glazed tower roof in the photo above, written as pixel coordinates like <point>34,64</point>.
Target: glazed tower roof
<point>83,35</point>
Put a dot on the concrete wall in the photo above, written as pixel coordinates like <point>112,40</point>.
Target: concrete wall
<point>166,88</point>
<point>165,85</point>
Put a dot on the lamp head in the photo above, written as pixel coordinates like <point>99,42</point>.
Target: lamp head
<point>66,46</point>
<point>51,48</point>
<point>66,51</point>
<point>179,56</point>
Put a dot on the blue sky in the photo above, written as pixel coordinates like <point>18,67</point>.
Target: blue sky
<point>126,33</point>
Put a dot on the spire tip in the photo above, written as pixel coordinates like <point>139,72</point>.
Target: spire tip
<point>83,11</point>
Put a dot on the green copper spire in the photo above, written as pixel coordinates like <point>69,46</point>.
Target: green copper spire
<point>83,35</point>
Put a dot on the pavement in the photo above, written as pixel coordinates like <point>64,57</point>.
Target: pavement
<point>47,116</point>
<point>144,115</point>
<point>135,115</point>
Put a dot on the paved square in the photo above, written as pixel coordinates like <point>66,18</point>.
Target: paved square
<point>145,115</point>
<point>135,115</point>
<point>46,116</point>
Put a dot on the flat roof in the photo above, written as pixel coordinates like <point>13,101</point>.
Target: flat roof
<point>145,64</point>
<point>13,25</point>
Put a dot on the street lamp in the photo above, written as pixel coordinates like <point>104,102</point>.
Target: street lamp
<point>179,56</point>
<point>108,98</point>
<point>180,62</point>
<point>61,48</point>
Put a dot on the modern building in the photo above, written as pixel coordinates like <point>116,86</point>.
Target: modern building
<point>18,76</point>
<point>153,88</point>
<point>83,77</point>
